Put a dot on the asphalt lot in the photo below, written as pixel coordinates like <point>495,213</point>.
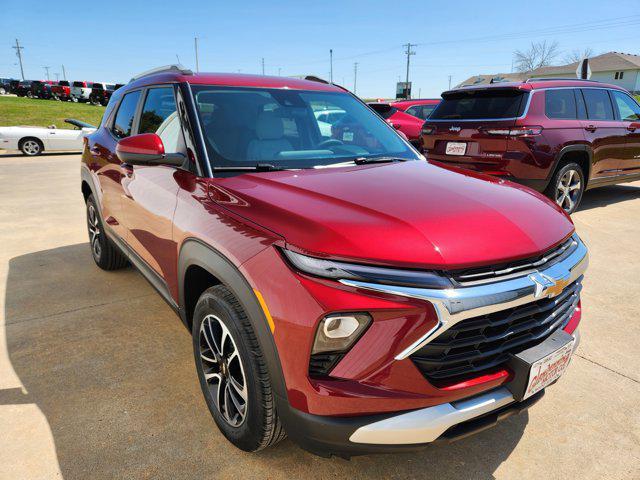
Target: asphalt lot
<point>97,377</point>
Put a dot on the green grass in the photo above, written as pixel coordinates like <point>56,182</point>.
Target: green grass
<point>638,97</point>
<point>42,113</point>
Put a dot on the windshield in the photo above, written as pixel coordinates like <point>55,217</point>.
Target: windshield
<point>289,128</point>
<point>480,104</point>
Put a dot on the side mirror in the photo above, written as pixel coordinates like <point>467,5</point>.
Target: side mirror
<point>146,149</point>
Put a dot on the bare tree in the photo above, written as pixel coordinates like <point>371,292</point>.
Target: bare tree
<point>538,55</point>
<point>577,55</point>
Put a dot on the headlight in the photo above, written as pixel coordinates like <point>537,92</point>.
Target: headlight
<point>338,332</point>
<point>366,273</point>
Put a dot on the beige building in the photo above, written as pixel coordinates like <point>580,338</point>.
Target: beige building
<point>622,69</point>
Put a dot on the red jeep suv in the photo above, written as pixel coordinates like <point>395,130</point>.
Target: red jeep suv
<point>559,137</point>
<point>337,287</point>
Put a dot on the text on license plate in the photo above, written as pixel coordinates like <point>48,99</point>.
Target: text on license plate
<point>548,369</point>
<point>456,148</point>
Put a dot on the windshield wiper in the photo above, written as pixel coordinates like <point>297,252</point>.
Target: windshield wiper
<point>259,167</point>
<point>382,159</point>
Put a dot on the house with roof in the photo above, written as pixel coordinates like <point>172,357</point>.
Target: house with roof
<point>622,69</point>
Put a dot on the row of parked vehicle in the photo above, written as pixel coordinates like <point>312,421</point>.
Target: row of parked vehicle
<point>95,93</point>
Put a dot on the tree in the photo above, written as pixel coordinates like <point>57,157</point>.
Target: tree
<point>576,55</point>
<point>540,54</point>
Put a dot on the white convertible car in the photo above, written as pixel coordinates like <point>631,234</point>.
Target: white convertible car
<point>35,140</point>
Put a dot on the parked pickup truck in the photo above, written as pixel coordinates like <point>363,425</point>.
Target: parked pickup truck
<point>80,91</point>
<point>101,93</point>
<point>42,89</point>
<point>338,288</point>
<point>24,88</point>
<point>62,91</point>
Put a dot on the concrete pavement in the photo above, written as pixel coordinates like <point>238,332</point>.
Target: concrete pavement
<point>97,377</point>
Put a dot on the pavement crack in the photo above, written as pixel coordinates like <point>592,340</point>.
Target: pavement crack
<point>607,368</point>
<point>72,310</point>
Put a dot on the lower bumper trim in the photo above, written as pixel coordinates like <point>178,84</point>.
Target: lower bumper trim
<point>427,424</point>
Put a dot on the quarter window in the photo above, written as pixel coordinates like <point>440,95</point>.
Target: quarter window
<point>123,124</point>
<point>160,116</point>
<point>627,108</point>
<point>598,104</point>
<point>560,104</point>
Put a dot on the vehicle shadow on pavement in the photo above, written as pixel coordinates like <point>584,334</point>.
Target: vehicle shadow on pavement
<point>603,196</point>
<point>110,366</point>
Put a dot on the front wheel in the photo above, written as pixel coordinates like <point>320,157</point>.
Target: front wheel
<point>233,373</point>
<point>31,147</point>
<point>567,186</point>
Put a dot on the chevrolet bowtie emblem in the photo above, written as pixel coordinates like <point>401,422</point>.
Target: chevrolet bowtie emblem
<point>547,286</point>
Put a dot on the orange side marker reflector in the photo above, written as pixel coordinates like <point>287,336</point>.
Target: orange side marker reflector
<point>265,309</point>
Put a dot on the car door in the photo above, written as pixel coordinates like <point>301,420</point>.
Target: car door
<point>151,191</point>
<point>65,139</point>
<point>105,162</point>
<point>606,134</point>
<point>628,111</point>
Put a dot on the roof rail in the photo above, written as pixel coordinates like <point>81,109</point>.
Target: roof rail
<point>166,68</point>
<point>313,78</point>
<point>549,79</point>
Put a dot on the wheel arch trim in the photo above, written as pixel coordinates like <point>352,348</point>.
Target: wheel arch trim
<point>569,149</point>
<point>194,252</point>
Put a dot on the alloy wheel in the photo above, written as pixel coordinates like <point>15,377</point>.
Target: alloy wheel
<point>31,147</point>
<point>223,370</point>
<point>568,190</point>
<point>93,224</point>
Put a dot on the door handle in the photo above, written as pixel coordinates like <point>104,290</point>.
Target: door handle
<point>590,128</point>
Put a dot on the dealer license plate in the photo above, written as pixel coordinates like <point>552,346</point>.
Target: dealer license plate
<point>456,148</point>
<point>548,369</point>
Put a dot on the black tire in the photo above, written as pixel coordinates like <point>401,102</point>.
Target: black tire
<point>218,309</point>
<point>567,186</point>
<point>31,146</point>
<point>106,255</point>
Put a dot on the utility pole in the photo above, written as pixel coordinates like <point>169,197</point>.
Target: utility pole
<point>46,69</point>
<point>449,82</point>
<point>355,77</point>
<point>409,52</point>
<point>195,40</point>
<point>279,71</point>
<point>57,77</point>
<point>64,73</point>
<point>178,59</point>
<point>331,65</point>
<point>19,53</point>
<point>262,65</point>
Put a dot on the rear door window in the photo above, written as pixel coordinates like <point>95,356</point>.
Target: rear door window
<point>493,104</point>
<point>598,104</point>
<point>628,109</point>
<point>560,104</point>
<point>123,123</point>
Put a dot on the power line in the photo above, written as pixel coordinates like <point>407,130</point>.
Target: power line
<point>19,49</point>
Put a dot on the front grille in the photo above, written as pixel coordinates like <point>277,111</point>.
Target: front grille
<point>481,344</point>
<point>519,266</point>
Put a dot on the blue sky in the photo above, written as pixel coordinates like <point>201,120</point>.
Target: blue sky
<point>110,41</point>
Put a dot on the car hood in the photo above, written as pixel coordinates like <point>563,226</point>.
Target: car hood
<point>412,213</point>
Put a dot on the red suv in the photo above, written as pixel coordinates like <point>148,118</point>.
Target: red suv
<point>338,288</point>
<point>409,125</point>
<point>560,137</point>
<point>419,107</point>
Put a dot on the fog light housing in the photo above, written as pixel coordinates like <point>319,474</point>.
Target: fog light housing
<point>338,332</point>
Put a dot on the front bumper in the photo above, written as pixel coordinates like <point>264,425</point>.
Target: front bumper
<point>405,431</point>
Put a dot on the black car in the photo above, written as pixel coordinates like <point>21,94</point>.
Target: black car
<point>5,85</point>
<point>42,89</point>
<point>24,88</point>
